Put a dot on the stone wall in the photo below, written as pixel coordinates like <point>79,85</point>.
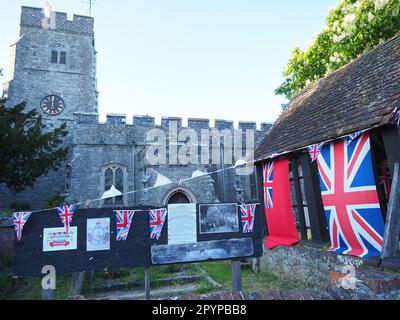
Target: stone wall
<point>96,145</point>
<point>306,265</point>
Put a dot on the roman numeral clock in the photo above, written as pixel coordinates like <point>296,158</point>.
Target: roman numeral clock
<point>52,105</point>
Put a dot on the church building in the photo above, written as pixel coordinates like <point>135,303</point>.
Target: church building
<point>53,69</point>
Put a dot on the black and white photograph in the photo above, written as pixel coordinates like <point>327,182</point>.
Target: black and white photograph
<point>218,218</point>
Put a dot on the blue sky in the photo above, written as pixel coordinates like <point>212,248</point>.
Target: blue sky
<point>216,59</point>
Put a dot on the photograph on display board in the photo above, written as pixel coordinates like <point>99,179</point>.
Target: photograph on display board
<point>218,218</point>
<point>98,234</point>
<point>56,239</point>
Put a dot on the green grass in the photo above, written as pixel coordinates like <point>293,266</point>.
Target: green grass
<point>5,214</point>
<point>29,288</point>
<point>251,281</point>
<point>137,275</point>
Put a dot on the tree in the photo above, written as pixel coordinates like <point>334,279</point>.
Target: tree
<point>352,28</point>
<point>26,150</point>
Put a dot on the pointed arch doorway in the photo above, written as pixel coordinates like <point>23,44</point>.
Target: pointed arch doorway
<point>179,196</point>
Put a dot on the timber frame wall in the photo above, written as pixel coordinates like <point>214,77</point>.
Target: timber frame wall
<point>306,193</point>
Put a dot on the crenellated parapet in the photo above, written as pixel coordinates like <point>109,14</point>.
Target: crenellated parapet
<point>35,17</point>
<point>149,122</point>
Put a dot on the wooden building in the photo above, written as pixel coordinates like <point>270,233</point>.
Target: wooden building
<point>362,95</point>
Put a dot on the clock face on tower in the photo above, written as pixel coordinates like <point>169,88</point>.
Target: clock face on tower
<point>52,105</point>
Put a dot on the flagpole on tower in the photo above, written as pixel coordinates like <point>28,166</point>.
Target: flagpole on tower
<point>90,3</point>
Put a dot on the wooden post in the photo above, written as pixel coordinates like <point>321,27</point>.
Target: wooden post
<point>260,190</point>
<point>299,199</point>
<point>48,294</point>
<point>76,284</point>
<point>314,201</point>
<point>392,228</point>
<point>147,283</point>
<point>91,279</point>
<point>236,276</point>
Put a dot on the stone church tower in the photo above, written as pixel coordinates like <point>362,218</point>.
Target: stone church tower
<point>52,69</point>
<point>53,65</point>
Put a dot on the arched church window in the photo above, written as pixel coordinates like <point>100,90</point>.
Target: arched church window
<point>119,184</point>
<point>114,175</point>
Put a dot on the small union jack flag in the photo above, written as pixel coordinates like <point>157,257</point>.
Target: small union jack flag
<point>66,213</point>
<point>315,151</point>
<point>19,219</point>
<point>124,220</point>
<point>247,212</point>
<point>157,219</point>
<point>354,136</point>
<point>268,172</point>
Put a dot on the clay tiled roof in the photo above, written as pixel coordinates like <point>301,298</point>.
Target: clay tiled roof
<point>361,95</point>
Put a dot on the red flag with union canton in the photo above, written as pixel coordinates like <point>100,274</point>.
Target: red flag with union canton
<point>281,223</point>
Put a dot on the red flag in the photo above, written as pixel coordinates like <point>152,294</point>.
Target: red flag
<point>278,205</point>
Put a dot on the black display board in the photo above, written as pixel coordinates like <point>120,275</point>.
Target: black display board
<point>132,253</point>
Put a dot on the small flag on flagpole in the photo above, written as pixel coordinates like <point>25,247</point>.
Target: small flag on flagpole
<point>19,219</point>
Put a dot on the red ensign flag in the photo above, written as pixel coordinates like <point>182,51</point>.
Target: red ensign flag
<point>281,224</point>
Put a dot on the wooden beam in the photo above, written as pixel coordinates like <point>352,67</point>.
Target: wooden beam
<point>392,228</point>
<point>260,190</point>
<point>48,294</point>
<point>147,283</point>
<point>236,276</point>
<point>391,140</point>
<point>314,200</point>
<point>76,284</point>
<point>379,187</point>
<point>202,251</point>
<point>299,199</point>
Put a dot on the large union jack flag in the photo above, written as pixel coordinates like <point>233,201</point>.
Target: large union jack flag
<point>66,213</point>
<point>350,198</point>
<point>19,219</point>
<point>247,212</point>
<point>268,176</point>
<point>124,221</point>
<point>157,219</point>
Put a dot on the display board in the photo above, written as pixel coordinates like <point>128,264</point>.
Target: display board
<point>92,240</point>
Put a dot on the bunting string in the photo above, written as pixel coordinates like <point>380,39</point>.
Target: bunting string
<point>88,202</point>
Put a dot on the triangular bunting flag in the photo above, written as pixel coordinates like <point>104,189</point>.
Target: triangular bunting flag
<point>19,219</point>
<point>124,220</point>
<point>157,219</point>
<point>315,151</point>
<point>247,212</point>
<point>161,180</point>
<point>111,193</point>
<point>354,136</point>
<point>66,213</point>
